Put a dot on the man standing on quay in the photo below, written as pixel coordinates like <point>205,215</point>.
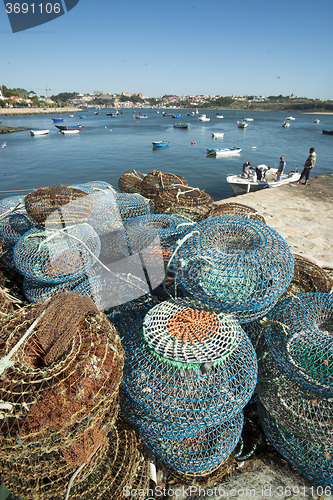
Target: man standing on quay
<point>308,165</point>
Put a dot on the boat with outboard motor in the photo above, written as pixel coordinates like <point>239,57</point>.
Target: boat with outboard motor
<point>242,185</point>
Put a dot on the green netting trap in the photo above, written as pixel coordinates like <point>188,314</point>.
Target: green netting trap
<point>313,459</point>
<point>239,265</point>
<point>299,336</point>
<point>55,256</point>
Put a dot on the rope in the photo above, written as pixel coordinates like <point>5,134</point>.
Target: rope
<point>10,210</point>
<point>185,192</point>
<point>179,243</point>
<point>264,322</point>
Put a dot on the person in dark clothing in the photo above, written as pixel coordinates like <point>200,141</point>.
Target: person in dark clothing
<point>308,165</point>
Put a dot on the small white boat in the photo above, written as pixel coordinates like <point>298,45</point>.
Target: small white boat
<point>39,132</point>
<point>70,131</point>
<point>242,124</point>
<point>290,118</point>
<point>203,118</point>
<point>181,125</point>
<point>3,145</point>
<point>218,135</point>
<point>316,120</point>
<point>248,119</point>
<point>223,152</point>
<point>286,125</point>
<point>219,116</point>
<point>241,185</point>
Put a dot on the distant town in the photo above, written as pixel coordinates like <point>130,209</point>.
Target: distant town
<point>18,97</point>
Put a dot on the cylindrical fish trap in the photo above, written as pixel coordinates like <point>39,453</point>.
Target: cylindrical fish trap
<point>57,256</point>
<point>299,411</point>
<point>95,187</point>
<point>6,258</point>
<point>188,202</point>
<point>188,367</point>
<point>299,336</point>
<point>131,182</point>
<point>35,291</point>
<point>234,209</point>
<point>12,204</point>
<point>58,205</point>
<point>240,266</point>
<point>313,459</point>
<point>156,181</point>
<point>13,226</point>
<point>105,217</point>
<point>308,277</point>
<point>133,205</point>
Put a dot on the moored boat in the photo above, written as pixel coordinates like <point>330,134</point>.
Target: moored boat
<point>248,119</point>
<point>39,132</point>
<point>242,124</point>
<point>56,120</point>
<point>286,125</point>
<point>217,135</point>
<point>219,116</point>
<point>203,118</point>
<point>290,118</point>
<point>70,131</point>
<point>328,132</point>
<point>316,120</point>
<point>181,125</point>
<point>69,127</point>
<point>241,185</point>
<point>223,152</point>
<point>160,144</point>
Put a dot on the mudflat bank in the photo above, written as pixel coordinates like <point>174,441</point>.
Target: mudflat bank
<point>303,215</point>
<point>36,111</point>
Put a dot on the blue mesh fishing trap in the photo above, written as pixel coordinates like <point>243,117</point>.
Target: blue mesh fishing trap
<point>239,265</point>
<point>189,380</point>
<point>299,411</point>
<point>35,291</point>
<point>13,226</point>
<point>313,460</point>
<point>95,186</point>
<point>133,205</point>
<point>53,256</point>
<point>299,337</point>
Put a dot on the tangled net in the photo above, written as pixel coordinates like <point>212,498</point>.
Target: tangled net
<point>188,202</point>
<point>36,291</point>
<point>234,209</point>
<point>13,226</point>
<point>308,277</point>
<point>313,460</point>
<point>61,367</point>
<point>132,205</point>
<point>131,182</point>
<point>299,411</point>
<point>240,266</point>
<point>299,337</point>
<point>188,385</point>
<point>92,187</point>
<point>156,181</point>
<point>53,256</point>
<point>58,205</point>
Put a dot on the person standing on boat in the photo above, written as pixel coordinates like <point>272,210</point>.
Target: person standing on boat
<point>247,169</point>
<point>281,167</point>
<point>261,171</point>
<point>308,165</point>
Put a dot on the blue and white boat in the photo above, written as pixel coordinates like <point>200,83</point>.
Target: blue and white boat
<point>69,127</point>
<point>160,144</point>
<point>56,120</point>
<point>223,152</point>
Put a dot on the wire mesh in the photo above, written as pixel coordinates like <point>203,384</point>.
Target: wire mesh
<point>308,277</point>
<point>188,202</point>
<point>133,205</point>
<point>156,181</point>
<point>188,385</point>
<point>95,187</point>
<point>240,266</point>
<point>131,182</point>
<point>58,205</point>
<point>13,226</point>
<point>313,460</point>
<point>234,209</point>
<point>35,291</point>
<point>299,411</point>
<point>299,337</point>
<point>53,256</point>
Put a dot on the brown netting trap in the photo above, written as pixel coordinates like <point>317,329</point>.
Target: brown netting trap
<point>236,209</point>
<point>188,202</point>
<point>308,277</point>
<point>156,181</point>
<point>125,467</point>
<point>61,367</point>
<point>131,182</point>
<point>58,204</point>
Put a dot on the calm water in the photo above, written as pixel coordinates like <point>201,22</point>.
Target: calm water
<point>107,147</point>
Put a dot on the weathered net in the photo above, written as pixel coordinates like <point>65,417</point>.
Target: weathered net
<point>36,291</point>
<point>58,205</point>
<point>131,182</point>
<point>156,181</point>
<point>13,226</point>
<point>95,187</point>
<point>299,411</point>
<point>299,336</point>
<point>12,204</point>
<point>313,459</point>
<point>240,266</point>
<point>61,367</point>
<point>235,209</point>
<point>188,202</point>
<point>133,205</point>
<point>188,367</point>
<point>6,258</point>
<point>308,277</point>
<point>57,256</point>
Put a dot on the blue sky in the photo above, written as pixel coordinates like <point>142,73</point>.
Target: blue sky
<point>179,47</point>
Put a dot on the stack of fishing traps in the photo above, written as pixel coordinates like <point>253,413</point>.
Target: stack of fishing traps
<point>189,372</point>
<point>296,383</point>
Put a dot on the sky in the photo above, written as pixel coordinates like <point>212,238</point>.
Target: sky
<point>182,47</point>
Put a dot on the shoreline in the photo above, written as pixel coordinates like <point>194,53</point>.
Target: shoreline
<point>36,111</point>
